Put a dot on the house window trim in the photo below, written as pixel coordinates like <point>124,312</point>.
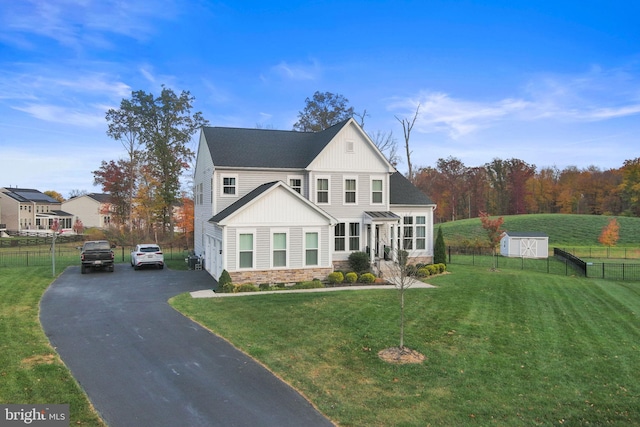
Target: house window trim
<point>420,226</point>
<point>328,178</point>
<point>342,237</point>
<point>301,178</point>
<point>239,232</point>
<point>306,231</point>
<point>284,231</point>
<point>382,198</point>
<point>222,186</point>
<point>354,236</point>
<point>344,191</point>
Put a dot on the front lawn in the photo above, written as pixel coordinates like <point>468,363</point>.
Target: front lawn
<point>503,348</point>
<point>30,370</point>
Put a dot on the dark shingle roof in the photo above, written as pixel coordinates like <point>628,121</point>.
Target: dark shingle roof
<point>265,148</point>
<point>403,192</point>
<point>100,197</point>
<point>29,195</point>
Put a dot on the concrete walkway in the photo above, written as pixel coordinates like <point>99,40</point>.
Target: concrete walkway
<point>411,283</point>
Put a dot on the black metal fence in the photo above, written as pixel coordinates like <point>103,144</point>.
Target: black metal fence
<point>563,262</point>
<point>64,256</point>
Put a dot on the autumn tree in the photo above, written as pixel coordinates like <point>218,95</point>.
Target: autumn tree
<point>630,186</point>
<point>322,111</point>
<point>164,125</point>
<point>113,178</point>
<point>125,128</point>
<point>494,232</point>
<point>54,195</point>
<point>610,233</point>
<point>185,219</point>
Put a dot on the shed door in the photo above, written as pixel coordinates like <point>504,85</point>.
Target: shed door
<point>529,248</point>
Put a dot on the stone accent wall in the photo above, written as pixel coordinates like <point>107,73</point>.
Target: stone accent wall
<point>279,276</point>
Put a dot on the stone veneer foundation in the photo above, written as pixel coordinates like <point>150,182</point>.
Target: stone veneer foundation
<point>280,276</point>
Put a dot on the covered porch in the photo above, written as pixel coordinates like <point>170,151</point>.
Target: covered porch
<point>382,227</point>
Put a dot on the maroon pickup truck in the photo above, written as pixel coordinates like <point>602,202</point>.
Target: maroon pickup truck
<point>96,254</point>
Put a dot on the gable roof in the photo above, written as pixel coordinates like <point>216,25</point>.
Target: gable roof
<point>403,192</point>
<point>524,234</point>
<point>29,195</point>
<point>266,148</point>
<point>255,194</point>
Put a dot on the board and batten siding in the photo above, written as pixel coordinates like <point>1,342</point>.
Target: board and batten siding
<point>247,181</point>
<point>350,150</point>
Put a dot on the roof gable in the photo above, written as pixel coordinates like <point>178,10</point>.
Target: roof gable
<point>283,205</point>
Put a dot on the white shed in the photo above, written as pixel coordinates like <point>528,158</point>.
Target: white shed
<point>524,245</point>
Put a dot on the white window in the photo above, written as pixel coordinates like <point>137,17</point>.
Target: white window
<point>421,232</point>
<point>311,248</point>
<point>245,250</point>
<point>350,185</point>
<point>376,191</point>
<point>279,245</point>
<point>322,190</point>
<point>295,182</point>
<point>229,185</point>
<point>354,236</point>
<point>340,236</point>
<point>408,233</point>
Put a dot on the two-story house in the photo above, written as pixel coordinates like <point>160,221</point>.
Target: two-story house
<point>93,209</point>
<point>26,209</point>
<point>284,206</point>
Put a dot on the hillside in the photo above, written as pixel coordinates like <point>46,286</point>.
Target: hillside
<point>562,229</point>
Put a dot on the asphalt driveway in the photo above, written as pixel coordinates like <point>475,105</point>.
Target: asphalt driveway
<point>144,364</point>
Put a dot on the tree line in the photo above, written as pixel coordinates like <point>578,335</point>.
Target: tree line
<point>512,186</point>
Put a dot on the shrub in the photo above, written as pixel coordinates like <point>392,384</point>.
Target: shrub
<point>246,287</point>
<point>313,284</point>
<point>423,272</point>
<point>441,267</point>
<point>264,286</point>
<point>224,281</point>
<point>335,277</point>
<point>359,262</point>
<point>227,288</point>
<point>440,250</point>
<point>432,269</point>
<point>367,278</point>
<point>351,277</point>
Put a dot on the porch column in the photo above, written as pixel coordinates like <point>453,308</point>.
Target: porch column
<point>371,229</point>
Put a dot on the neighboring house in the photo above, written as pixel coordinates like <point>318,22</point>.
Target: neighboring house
<point>283,206</point>
<point>25,209</point>
<point>524,245</point>
<point>92,209</point>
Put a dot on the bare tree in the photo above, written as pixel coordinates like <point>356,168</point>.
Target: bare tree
<point>387,145</point>
<point>362,116</point>
<point>407,126</point>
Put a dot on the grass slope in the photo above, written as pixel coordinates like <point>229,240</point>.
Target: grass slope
<point>510,348</point>
<point>562,229</point>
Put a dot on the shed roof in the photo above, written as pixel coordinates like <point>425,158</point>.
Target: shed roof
<point>525,234</point>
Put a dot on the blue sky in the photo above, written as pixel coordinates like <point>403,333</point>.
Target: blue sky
<point>547,82</point>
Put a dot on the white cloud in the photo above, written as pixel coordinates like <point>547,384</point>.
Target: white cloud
<point>597,95</point>
<point>60,114</point>
<point>297,71</point>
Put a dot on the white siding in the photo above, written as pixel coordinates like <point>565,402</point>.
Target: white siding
<point>202,212</point>
<point>351,150</point>
<point>86,209</point>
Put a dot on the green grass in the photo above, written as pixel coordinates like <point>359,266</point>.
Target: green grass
<point>563,230</point>
<point>30,370</point>
<point>510,348</point>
